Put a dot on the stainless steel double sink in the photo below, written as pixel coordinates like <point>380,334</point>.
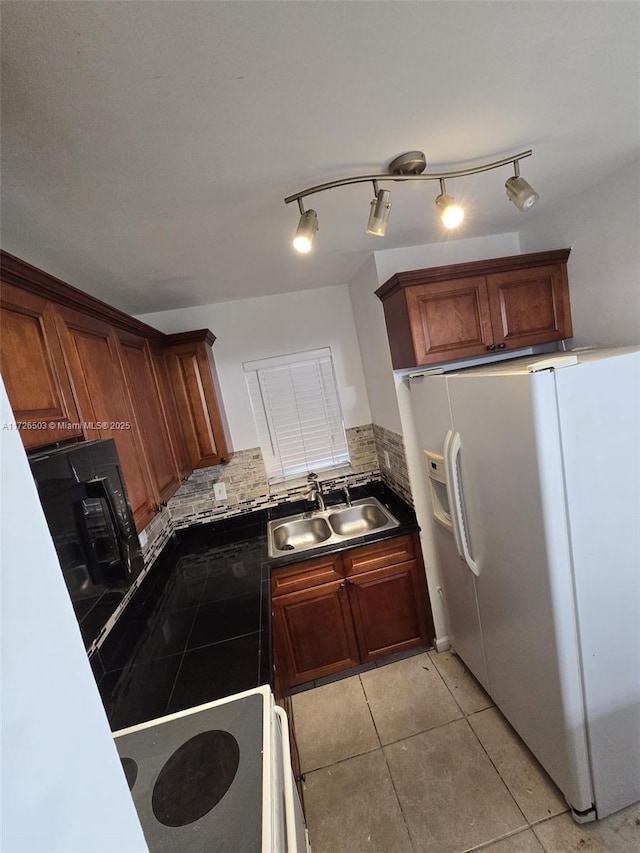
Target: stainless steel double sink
<point>334,525</point>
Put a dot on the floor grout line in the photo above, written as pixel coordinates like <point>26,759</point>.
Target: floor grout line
<point>388,766</point>
<point>526,827</point>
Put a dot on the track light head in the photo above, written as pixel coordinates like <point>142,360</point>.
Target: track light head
<point>521,193</point>
<point>448,209</point>
<point>307,227</point>
<point>379,215</point>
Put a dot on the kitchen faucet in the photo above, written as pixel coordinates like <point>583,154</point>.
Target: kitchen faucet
<point>316,492</point>
<point>347,494</point>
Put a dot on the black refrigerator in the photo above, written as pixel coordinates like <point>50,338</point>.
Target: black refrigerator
<point>85,502</point>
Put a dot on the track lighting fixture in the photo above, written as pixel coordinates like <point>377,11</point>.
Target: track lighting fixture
<point>307,227</point>
<point>519,191</point>
<point>409,167</point>
<point>449,211</point>
<point>380,209</point>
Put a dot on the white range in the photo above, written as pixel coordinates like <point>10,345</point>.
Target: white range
<point>216,778</point>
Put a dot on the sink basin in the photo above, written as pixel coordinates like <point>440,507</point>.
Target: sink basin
<point>335,525</point>
<point>358,520</point>
<point>300,534</point>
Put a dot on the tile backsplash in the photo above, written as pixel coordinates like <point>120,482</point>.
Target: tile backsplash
<point>396,474</point>
<point>247,488</point>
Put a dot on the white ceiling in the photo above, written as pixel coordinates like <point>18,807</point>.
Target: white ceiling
<point>147,146</point>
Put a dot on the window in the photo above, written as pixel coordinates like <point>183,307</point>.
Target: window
<point>298,415</point>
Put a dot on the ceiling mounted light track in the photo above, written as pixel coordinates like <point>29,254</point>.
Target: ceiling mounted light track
<point>410,167</point>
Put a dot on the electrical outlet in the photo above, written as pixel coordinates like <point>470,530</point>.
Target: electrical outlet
<point>387,463</point>
<point>219,491</point>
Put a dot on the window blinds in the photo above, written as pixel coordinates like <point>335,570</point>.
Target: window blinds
<point>298,415</point>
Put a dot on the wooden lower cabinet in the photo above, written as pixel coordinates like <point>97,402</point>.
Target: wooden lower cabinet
<point>315,632</point>
<point>388,610</point>
<point>322,626</point>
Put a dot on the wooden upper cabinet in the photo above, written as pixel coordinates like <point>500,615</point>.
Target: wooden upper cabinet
<point>93,358</point>
<point>197,393</point>
<point>145,400</point>
<point>530,306</point>
<point>170,409</point>
<point>76,368</point>
<point>449,320</point>
<point>34,371</point>
<point>465,310</point>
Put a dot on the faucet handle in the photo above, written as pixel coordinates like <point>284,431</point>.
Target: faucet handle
<point>311,477</point>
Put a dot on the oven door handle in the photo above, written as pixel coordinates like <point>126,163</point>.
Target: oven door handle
<point>289,802</point>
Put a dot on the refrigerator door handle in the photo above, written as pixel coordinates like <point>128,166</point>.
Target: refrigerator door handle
<point>450,493</point>
<point>452,446</point>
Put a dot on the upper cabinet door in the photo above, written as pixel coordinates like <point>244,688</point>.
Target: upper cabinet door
<point>34,371</point>
<point>91,350</point>
<point>449,320</point>
<point>197,393</point>
<point>145,400</point>
<point>530,306</point>
<point>170,409</point>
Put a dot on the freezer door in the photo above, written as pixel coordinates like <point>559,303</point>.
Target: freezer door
<point>430,403</point>
<point>510,470</point>
<point>599,405</point>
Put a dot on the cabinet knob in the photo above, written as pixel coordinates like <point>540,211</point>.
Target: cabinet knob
<point>351,583</point>
<point>341,586</point>
<point>502,345</point>
<point>491,346</point>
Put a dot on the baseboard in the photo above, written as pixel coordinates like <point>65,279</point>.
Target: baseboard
<point>442,644</point>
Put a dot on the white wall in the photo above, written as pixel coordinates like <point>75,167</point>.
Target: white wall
<point>63,788</point>
<point>374,347</point>
<point>275,325</point>
<point>602,227</point>
<point>449,251</point>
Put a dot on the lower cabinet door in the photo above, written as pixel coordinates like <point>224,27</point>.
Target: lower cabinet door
<point>388,610</point>
<point>313,633</point>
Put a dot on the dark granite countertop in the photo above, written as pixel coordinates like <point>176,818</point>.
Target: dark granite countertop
<point>199,626</point>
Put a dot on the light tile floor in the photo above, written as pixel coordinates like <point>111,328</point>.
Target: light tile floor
<point>412,757</point>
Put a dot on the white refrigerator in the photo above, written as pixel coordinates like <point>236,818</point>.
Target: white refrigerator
<point>540,573</point>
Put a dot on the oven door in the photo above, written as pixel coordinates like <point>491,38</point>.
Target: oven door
<point>289,817</point>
